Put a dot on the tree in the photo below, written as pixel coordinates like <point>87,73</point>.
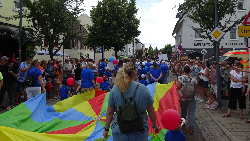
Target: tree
<point>54,21</point>
<point>114,24</point>
<point>138,53</point>
<point>203,13</point>
<point>167,50</point>
<point>151,52</point>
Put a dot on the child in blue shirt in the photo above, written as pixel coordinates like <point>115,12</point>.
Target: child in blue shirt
<point>143,80</point>
<point>141,71</point>
<point>176,134</point>
<point>64,91</point>
<point>105,84</point>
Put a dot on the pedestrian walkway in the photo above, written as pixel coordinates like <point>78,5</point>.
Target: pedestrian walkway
<point>217,128</point>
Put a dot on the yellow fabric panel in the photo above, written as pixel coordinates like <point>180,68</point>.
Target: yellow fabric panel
<point>86,109</point>
<point>66,104</point>
<point>12,134</point>
<point>160,91</point>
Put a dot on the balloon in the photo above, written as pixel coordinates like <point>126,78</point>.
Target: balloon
<point>99,80</point>
<point>70,81</point>
<point>111,59</point>
<point>170,119</point>
<point>115,62</point>
<point>145,67</point>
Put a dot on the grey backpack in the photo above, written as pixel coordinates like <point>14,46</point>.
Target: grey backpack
<point>188,88</point>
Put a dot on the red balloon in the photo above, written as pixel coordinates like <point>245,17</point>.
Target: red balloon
<point>115,62</point>
<point>70,81</point>
<point>99,80</point>
<point>170,119</point>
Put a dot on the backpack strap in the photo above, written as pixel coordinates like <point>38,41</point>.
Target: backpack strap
<point>125,99</point>
<point>34,72</point>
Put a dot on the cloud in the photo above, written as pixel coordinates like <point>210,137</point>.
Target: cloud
<point>157,20</point>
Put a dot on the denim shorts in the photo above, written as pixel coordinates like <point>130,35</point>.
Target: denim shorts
<point>20,86</point>
<point>133,136</point>
<point>203,83</point>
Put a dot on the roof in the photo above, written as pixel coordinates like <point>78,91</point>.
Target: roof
<point>178,24</point>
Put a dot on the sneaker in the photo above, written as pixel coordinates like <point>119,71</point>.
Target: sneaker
<point>55,97</point>
<point>201,100</point>
<point>198,98</point>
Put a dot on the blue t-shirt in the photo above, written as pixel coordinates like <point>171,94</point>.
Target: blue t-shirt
<point>142,98</point>
<point>159,64</point>
<point>105,85</point>
<point>142,71</point>
<point>87,74</point>
<point>64,92</point>
<point>164,68</point>
<point>143,82</point>
<point>22,75</point>
<point>174,136</point>
<point>155,73</point>
<point>148,64</point>
<point>37,73</point>
<point>102,66</point>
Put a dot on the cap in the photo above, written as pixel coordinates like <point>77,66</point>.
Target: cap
<point>4,58</point>
<point>143,63</point>
<point>142,76</point>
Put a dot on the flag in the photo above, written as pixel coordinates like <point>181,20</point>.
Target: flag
<point>81,117</point>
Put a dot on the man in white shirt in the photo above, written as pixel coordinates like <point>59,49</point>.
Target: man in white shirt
<point>67,68</point>
<point>84,63</point>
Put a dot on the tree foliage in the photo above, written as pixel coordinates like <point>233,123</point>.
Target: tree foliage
<point>167,50</point>
<point>151,52</point>
<point>54,21</point>
<point>138,53</point>
<point>114,24</point>
<point>203,13</point>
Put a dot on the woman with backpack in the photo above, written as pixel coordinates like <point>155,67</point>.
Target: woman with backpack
<point>185,84</point>
<point>126,128</point>
<point>34,75</point>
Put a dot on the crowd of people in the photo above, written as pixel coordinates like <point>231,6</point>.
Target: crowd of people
<point>33,77</point>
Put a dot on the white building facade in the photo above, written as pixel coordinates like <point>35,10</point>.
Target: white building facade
<point>133,46</point>
<point>194,46</point>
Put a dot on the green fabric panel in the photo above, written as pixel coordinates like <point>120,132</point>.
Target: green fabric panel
<point>23,121</point>
<point>162,134</point>
<point>102,123</point>
<point>105,104</point>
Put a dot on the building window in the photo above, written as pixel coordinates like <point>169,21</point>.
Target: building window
<point>233,33</point>
<point>16,5</point>
<point>241,5</point>
<point>197,33</point>
<point>0,3</point>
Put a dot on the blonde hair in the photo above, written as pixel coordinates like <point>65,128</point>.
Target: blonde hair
<point>89,64</point>
<point>122,79</point>
<point>33,63</point>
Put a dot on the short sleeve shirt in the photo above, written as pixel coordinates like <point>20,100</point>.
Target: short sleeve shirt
<point>36,74</point>
<point>174,136</point>
<point>22,75</point>
<point>155,73</point>
<point>237,76</point>
<point>87,74</point>
<point>66,67</point>
<point>183,80</point>
<point>142,98</point>
<point>64,92</point>
<point>102,67</point>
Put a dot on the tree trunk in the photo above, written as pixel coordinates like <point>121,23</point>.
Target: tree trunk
<point>116,56</point>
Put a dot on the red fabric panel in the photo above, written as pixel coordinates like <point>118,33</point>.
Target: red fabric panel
<point>71,130</point>
<point>96,103</point>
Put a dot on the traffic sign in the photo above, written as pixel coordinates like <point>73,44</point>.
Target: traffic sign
<point>247,20</point>
<point>180,47</point>
<point>217,34</point>
<point>204,52</point>
<point>244,31</point>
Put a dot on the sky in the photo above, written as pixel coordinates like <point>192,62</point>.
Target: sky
<point>157,20</point>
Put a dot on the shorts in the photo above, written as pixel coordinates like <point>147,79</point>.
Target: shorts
<point>78,81</point>
<point>20,86</point>
<point>203,83</point>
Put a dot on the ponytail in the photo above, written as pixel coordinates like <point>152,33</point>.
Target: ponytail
<point>122,80</point>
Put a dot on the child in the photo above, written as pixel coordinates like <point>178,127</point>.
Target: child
<point>56,86</point>
<point>107,73</point>
<point>143,80</point>
<point>64,91</point>
<point>105,84</point>
<point>176,134</point>
<point>49,86</point>
<point>212,102</point>
<point>141,71</point>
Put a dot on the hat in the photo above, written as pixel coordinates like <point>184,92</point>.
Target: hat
<point>142,76</point>
<point>182,121</point>
<point>67,59</point>
<point>57,60</point>
<point>143,63</point>
<point>105,77</point>
<point>106,68</point>
<point>4,58</point>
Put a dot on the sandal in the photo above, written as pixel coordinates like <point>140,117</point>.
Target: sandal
<point>226,115</point>
<point>242,117</point>
<point>248,121</point>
